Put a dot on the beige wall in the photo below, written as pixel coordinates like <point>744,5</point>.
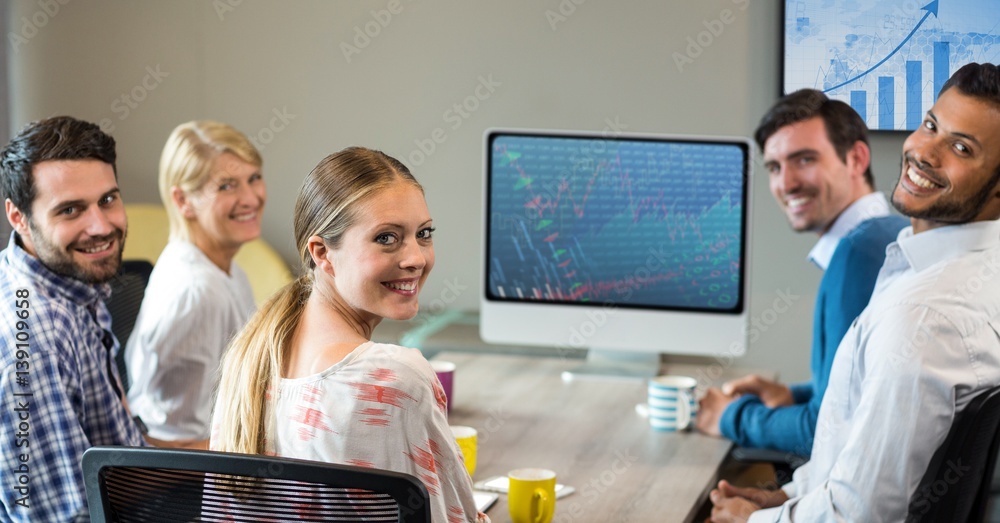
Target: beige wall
<point>244,62</point>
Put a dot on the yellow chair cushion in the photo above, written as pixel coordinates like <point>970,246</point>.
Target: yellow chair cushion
<point>149,230</point>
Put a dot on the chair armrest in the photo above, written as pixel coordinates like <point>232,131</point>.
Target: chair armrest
<point>749,455</point>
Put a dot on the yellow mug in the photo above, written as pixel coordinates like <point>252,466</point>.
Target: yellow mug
<point>466,439</point>
<point>531,496</point>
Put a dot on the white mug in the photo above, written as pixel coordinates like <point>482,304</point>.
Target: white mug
<point>671,402</point>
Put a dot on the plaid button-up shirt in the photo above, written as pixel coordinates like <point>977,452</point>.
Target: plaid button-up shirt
<point>59,388</point>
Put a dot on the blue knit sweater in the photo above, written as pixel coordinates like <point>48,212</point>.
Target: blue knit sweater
<point>843,293</point>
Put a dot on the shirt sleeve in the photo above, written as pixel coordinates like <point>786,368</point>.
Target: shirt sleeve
<point>47,445</point>
<point>750,423</point>
<point>802,392</point>
<point>905,369</point>
<point>455,482</point>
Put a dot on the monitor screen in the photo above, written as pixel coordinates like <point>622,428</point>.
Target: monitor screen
<point>617,230</point>
<point>888,59</point>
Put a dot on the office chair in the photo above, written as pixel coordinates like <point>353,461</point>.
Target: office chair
<point>956,485</point>
<point>126,484</point>
<point>149,230</point>
<point>127,290</point>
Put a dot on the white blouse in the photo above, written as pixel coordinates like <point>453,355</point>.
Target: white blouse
<point>191,310</point>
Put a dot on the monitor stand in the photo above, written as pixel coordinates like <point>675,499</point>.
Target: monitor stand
<point>610,363</point>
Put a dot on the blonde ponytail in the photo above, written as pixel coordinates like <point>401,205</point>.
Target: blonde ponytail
<point>252,365</point>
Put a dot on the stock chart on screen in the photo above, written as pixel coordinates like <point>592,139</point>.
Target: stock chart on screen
<point>887,58</point>
<point>643,223</point>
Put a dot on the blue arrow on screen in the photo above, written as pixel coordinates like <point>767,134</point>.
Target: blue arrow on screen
<point>931,8</point>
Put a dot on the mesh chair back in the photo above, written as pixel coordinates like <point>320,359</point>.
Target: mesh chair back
<point>957,482</point>
<point>127,291</point>
<point>129,484</point>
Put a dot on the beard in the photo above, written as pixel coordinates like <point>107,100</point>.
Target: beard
<point>61,262</point>
<point>951,209</point>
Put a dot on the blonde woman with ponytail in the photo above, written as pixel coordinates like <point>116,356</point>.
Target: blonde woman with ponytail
<point>303,378</point>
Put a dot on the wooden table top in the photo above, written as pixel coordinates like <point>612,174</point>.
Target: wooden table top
<point>588,432</point>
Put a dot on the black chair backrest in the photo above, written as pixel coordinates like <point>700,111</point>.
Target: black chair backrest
<point>127,290</point>
<point>956,486</point>
<point>126,484</point>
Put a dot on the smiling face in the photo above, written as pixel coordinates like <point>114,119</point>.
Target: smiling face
<point>810,182</point>
<point>385,257</point>
<point>226,211</point>
<point>77,225</point>
<point>950,164</point>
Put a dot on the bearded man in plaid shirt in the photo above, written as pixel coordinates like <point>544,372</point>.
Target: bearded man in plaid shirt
<point>60,389</point>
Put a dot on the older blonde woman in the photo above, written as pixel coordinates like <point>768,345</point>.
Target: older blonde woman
<point>197,297</point>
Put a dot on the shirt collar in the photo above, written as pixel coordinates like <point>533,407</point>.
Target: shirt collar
<point>75,290</point>
<point>872,205</point>
<point>929,247</point>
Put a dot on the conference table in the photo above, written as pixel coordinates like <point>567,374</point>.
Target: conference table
<point>587,430</point>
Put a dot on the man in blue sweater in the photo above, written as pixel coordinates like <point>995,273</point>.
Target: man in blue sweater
<point>818,160</point>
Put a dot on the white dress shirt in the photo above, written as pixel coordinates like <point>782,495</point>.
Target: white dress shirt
<point>928,342</point>
<point>189,313</point>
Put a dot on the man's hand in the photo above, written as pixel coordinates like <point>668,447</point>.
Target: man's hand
<point>735,504</point>
<point>730,510</point>
<point>710,409</point>
<point>772,393</point>
<point>763,498</point>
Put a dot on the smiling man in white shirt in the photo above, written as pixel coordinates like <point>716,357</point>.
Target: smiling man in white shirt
<point>929,340</point>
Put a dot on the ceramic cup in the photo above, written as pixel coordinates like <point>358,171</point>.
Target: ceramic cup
<point>467,441</point>
<point>671,402</point>
<point>531,497</point>
<point>445,371</point>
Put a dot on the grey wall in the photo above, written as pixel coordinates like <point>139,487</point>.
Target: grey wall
<point>279,72</point>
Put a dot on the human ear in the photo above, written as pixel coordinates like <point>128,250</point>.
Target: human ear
<point>318,252</point>
<point>16,218</point>
<point>859,157</point>
<point>182,202</point>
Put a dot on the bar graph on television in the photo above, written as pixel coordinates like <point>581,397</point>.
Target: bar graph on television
<point>887,59</point>
<point>641,224</point>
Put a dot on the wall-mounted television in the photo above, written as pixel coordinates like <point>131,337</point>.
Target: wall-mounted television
<point>887,58</point>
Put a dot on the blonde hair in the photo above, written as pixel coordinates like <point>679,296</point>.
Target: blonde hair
<point>187,159</point>
<point>327,206</point>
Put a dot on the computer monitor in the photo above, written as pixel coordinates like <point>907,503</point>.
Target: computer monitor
<point>628,245</point>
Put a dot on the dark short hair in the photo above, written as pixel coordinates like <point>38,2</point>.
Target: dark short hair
<point>977,80</point>
<point>56,138</point>
<point>980,81</point>
<point>844,127</point>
